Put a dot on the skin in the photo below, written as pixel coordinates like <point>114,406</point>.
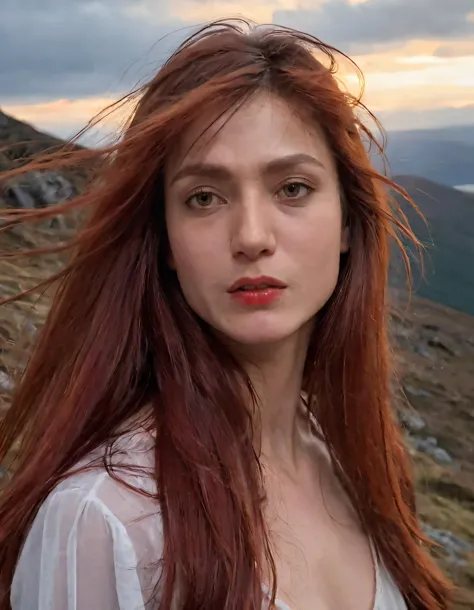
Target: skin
<point>255,219</point>
<point>271,206</point>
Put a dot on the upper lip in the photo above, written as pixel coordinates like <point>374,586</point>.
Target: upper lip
<point>256,281</point>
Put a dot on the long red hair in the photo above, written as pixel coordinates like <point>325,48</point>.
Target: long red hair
<point>120,335</point>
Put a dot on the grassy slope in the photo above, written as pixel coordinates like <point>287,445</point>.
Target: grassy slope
<point>435,357</point>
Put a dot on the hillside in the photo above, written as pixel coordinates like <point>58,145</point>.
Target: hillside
<point>448,236</point>
<point>435,358</point>
<point>22,139</point>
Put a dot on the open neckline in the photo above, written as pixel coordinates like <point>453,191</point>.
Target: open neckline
<point>281,605</point>
<point>377,567</point>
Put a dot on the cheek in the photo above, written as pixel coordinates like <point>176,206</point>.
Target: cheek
<point>180,240</point>
<point>319,269</point>
<point>193,258</point>
<point>319,243</point>
<point>185,261</point>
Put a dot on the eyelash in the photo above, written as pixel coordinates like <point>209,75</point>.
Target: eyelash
<point>203,191</point>
<point>310,189</point>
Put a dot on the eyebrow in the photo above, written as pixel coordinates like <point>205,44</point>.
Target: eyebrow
<point>214,170</point>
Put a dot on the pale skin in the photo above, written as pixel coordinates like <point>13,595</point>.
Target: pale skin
<point>259,195</point>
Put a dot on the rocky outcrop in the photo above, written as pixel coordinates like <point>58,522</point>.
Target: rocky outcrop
<point>38,190</point>
<point>19,142</point>
<point>455,547</point>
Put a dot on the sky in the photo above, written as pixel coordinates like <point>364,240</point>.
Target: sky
<point>62,61</point>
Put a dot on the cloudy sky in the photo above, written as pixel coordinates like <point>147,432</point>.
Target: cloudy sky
<point>61,61</point>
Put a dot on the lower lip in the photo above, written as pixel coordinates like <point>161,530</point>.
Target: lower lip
<point>263,296</point>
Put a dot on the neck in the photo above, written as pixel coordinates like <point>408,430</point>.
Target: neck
<point>276,373</point>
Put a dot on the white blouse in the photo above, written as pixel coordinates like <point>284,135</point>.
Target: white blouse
<point>96,544</point>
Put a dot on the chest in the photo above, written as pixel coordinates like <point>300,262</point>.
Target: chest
<point>323,559</point>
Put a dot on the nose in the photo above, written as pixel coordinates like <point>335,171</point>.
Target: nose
<point>252,232</point>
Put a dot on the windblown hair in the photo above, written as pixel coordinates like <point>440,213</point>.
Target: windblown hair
<point>120,336</point>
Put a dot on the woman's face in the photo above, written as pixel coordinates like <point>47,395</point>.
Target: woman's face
<point>254,220</point>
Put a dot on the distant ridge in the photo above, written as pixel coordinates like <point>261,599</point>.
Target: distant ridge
<point>449,241</point>
<point>445,155</point>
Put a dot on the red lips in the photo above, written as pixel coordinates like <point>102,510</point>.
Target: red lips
<point>257,291</point>
<point>256,283</point>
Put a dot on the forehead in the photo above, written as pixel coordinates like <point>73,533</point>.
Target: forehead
<point>262,128</point>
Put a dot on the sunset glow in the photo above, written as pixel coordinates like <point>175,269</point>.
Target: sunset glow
<point>413,75</point>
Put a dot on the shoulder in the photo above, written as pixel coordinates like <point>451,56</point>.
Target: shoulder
<point>123,495</point>
<point>129,477</point>
<point>96,528</point>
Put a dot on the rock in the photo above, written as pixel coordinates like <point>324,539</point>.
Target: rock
<point>6,382</point>
<point>429,446</point>
<point>454,545</point>
<point>423,351</point>
<point>39,189</point>
<point>439,344</point>
<point>416,391</point>
<point>411,420</point>
<point>441,455</point>
<point>21,196</point>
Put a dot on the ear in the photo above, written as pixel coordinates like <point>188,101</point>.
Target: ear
<point>345,240</point>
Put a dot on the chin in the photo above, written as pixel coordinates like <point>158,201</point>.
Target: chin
<point>260,335</point>
<point>257,340</point>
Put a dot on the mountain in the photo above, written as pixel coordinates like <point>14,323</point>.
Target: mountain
<point>448,236</point>
<point>442,155</point>
<point>22,140</point>
<point>19,142</point>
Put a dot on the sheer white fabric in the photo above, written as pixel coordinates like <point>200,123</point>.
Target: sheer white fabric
<point>96,544</point>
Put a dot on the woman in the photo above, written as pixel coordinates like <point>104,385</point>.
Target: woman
<point>205,419</point>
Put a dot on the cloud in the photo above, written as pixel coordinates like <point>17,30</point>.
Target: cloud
<point>72,48</point>
<point>426,119</point>
<point>448,51</point>
<point>357,27</point>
